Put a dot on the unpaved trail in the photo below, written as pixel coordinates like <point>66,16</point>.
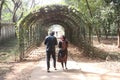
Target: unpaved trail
<point>76,71</point>
<point>40,73</point>
<point>79,68</point>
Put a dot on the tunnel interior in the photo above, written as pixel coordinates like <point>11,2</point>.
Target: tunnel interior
<point>57,29</point>
<point>35,26</point>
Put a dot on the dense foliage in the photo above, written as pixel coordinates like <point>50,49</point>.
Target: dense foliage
<point>101,17</point>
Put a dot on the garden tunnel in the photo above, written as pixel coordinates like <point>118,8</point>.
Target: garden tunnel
<point>34,27</point>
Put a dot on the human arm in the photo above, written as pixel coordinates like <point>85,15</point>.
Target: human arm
<point>56,41</point>
<point>60,44</point>
<point>45,41</point>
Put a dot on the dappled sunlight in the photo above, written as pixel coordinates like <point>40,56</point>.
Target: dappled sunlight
<point>84,69</point>
<point>76,71</point>
<point>19,70</point>
<point>80,21</point>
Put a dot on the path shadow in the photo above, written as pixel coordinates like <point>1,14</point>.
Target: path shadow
<point>73,70</point>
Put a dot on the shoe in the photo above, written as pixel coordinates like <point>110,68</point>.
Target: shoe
<point>48,71</point>
<point>55,69</point>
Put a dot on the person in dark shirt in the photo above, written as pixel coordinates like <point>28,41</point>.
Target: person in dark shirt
<point>50,42</point>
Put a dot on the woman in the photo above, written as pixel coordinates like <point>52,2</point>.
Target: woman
<point>63,52</point>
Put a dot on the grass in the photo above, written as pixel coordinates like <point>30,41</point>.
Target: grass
<point>8,54</point>
<point>9,50</point>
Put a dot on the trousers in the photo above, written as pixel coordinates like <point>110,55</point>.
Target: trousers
<point>49,54</point>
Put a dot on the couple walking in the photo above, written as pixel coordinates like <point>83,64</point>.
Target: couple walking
<point>51,42</point>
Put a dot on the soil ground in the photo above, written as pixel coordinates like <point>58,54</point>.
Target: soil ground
<point>79,67</point>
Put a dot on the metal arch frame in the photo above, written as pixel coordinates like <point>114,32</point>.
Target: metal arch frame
<point>70,18</point>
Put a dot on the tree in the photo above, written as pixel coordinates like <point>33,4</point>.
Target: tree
<point>17,4</point>
<point>116,6</point>
<point>1,6</point>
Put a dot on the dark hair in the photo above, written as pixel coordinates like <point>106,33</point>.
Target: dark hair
<point>63,36</point>
<point>52,33</point>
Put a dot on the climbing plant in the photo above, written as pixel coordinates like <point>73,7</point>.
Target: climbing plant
<point>33,28</point>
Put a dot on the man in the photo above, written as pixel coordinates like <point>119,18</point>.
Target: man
<point>50,42</point>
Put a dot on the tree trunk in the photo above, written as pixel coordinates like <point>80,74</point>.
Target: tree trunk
<point>98,35</point>
<point>118,36</point>
<point>105,30</point>
<point>17,4</point>
<point>90,26</point>
<point>1,6</point>
<point>89,8</point>
<point>118,23</point>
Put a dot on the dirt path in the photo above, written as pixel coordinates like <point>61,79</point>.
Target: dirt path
<point>40,73</point>
<point>79,68</point>
<point>76,71</point>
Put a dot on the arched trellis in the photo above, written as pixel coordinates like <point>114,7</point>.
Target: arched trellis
<point>33,28</point>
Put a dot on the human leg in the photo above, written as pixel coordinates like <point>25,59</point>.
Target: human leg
<point>66,59</point>
<point>48,61</point>
<point>62,65</point>
<point>66,64</point>
<point>54,60</point>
